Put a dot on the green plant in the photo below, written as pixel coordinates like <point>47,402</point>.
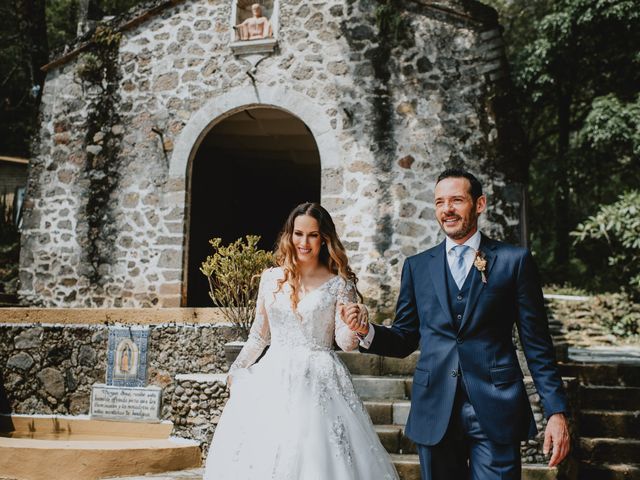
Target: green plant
<point>565,289</point>
<point>618,226</point>
<point>99,70</point>
<point>620,314</point>
<point>388,19</point>
<point>233,273</point>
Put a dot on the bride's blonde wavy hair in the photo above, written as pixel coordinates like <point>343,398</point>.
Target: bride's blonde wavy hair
<point>332,253</point>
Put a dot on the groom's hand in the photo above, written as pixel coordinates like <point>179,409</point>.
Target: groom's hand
<point>356,317</point>
<point>557,435</point>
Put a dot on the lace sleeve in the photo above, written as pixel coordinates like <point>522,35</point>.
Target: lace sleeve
<point>345,338</point>
<point>259,335</point>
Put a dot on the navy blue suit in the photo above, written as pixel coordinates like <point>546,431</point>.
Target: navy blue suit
<point>478,346</point>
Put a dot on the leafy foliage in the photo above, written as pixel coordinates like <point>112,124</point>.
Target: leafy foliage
<point>606,319</point>
<point>62,22</point>
<point>98,69</point>
<point>29,31</point>
<point>233,272</point>
<point>617,226</point>
<point>619,314</point>
<point>575,67</point>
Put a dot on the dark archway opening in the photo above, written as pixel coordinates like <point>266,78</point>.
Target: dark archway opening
<point>250,170</point>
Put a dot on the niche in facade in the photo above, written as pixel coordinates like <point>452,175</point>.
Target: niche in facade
<point>255,26</point>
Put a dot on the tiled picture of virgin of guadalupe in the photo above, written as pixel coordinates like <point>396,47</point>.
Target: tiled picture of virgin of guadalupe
<point>127,357</point>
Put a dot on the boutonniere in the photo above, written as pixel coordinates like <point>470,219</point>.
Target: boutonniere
<point>480,263</point>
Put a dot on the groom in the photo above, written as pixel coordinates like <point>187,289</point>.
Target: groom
<point>458,302</point>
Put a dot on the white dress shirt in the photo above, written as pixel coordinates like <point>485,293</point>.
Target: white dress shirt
<point>469,257</point>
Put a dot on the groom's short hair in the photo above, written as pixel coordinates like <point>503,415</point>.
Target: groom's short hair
<point>476,186</point>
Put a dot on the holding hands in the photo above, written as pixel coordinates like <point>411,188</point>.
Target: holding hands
<point>355,316</point>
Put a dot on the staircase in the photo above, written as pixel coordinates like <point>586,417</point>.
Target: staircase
<point>609,420</point>
<point>384,384</point>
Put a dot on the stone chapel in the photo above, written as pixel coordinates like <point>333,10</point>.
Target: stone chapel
<point>185,120</point>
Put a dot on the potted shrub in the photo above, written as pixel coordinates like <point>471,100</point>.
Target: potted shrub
<point>233,272</point>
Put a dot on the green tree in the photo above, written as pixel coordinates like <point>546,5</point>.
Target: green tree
<point>29,31</point>
<point>616,227</point>
<point>24,50</point>
<point>575,66</point>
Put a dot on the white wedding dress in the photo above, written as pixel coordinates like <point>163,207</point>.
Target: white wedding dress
<point>295,415</point>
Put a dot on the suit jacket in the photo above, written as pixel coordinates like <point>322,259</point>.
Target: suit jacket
<point>482,348</point>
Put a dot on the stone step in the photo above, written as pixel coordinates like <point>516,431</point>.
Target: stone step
<point>602,374</point>
<point>535,471</point>
<point>407,466</point>
<point>601,450</point>
<point>95,459</point>
<point>388,411</point>
<point>370,387</point>
<point>366,364</point>
<point>609,424</point>
<point>191,474</point>
<point>610,472</point>
<point>394,440</point>
<point>609,397</point>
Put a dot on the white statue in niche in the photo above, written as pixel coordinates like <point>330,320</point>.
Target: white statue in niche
<point>256,27</point>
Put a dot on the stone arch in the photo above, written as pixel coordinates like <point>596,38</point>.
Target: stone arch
<point>239,98</point>
<point>215,112</point>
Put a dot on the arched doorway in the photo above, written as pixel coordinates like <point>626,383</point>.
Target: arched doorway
<point>249,171</point>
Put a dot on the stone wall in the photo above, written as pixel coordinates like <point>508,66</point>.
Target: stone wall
<point>196,406</point>
<point>49,369</point>
<point>106,212</point>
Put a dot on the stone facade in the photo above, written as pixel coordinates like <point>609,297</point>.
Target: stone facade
<point>389,109</point>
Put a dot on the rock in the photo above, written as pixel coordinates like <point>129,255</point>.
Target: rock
<point>20,361</point>
<point>79,404</point>
<point>424,65</point>
<point>30,338</point>
<point>94,149</point>
<point>52,382</point>
<point>166,82</point>
<point>87,356</point>
<point>406,162</point>
<point>338,68</point>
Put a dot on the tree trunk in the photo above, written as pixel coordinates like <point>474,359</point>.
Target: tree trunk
<point>83,17</point>
<point>562,196</point>
<point>33,31</point>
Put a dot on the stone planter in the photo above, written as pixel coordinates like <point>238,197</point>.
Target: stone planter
<point>231,351</point>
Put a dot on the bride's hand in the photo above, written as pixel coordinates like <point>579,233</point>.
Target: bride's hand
<point>356,317</point>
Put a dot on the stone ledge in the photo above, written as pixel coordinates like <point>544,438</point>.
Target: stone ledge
<point>266,45</point>
<point>202,377</point>
<point>95,316</point>
<point>609,355</point>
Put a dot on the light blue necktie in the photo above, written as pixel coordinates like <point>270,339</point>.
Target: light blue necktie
<point>458,269</point>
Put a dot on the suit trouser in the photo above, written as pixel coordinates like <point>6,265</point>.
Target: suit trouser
<point>465,452</point>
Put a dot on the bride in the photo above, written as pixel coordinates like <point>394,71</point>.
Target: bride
<point>295,415</point>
